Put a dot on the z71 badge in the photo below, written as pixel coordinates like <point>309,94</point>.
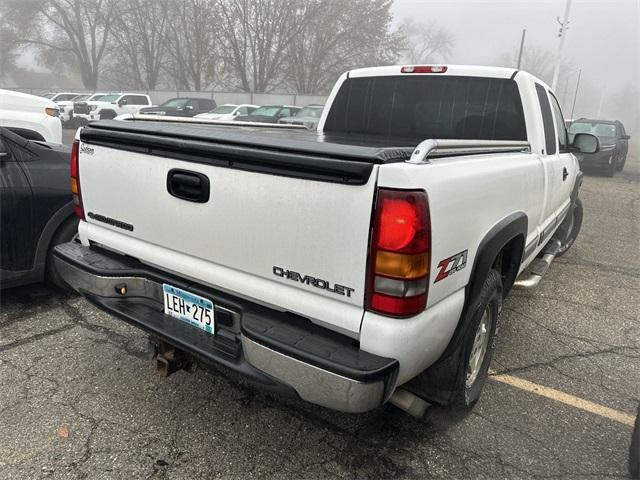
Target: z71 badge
<point>451,265</point>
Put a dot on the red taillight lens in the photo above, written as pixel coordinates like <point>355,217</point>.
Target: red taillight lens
<point>75,180</point>
<point>400,253</point>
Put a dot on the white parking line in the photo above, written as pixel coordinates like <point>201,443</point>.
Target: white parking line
<point>557,395</point>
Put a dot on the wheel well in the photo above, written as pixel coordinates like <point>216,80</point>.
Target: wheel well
<point>507,262</point>
<point>108,114</point>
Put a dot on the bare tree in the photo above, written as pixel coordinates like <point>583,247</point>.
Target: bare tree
<point>8,41</point>
<point>71,31</point>
<point>540,61</point>
<point>425,43</point>
<point>536,60</point>
<point>256,35</point>
<point>140,40</point>
<point>192,43</point>
<point>338,36</point>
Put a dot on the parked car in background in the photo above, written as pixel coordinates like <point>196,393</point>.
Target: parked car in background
<point>66,107</point>
<point>181,107</point>
<point>308,116</point>
<point>36,208</point>
<point>110,105</point>
<point>82,107</point>
<point>61,96</point>
<point>228,112</point>
<point>33,117</point>
<point>614,143</point>
<point>268,114</point>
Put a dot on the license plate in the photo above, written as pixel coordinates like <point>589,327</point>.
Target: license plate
<point>188,307</point>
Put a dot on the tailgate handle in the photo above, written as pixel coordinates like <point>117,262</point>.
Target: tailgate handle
<point>186,185</point>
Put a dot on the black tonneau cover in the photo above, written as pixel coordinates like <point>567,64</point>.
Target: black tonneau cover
<point>293,153</point>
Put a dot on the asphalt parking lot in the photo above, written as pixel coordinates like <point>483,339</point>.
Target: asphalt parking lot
<point>79,397</point>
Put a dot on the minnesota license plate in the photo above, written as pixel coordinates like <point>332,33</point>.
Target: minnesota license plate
<point>188,307</point>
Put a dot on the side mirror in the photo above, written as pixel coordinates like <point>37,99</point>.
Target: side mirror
<point>189,107</point>
<point>586,143</point>
<point>626,137</point>
<point>122,102</point>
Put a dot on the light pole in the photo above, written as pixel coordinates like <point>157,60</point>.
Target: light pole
<point>562,33</point>
<point>524,32</point>
<point>575,95</point>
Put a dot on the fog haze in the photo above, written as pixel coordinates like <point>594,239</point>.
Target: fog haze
<point>603,40</point>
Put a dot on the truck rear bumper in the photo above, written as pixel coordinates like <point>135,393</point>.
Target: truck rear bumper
<point>271,348</point>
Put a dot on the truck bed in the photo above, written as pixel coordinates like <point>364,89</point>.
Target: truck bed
<point>292,153</point>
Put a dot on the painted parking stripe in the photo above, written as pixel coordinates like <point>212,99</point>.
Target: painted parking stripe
<point>557,395</point>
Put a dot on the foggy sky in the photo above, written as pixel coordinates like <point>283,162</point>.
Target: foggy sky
<point>603,37</point>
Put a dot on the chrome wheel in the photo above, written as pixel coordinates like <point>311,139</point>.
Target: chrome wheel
<point>479,349</point>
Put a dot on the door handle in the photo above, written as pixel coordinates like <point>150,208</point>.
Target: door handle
<point>565,174</point>
<point>189,186</point>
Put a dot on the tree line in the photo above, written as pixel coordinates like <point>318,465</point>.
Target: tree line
<point>258,46</point>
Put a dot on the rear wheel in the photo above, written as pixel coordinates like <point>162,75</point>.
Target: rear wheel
<point>65,233</point>
<point>467,369</point>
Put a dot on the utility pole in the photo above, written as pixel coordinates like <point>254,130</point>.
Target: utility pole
<point>562,33</point>
<point>575,95</point>
<point>524,32</point>
<point>602,95</point>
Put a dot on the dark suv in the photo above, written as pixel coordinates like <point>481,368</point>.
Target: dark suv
<point>614,143</point>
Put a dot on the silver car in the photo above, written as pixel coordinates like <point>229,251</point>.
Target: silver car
<point>308,116</point>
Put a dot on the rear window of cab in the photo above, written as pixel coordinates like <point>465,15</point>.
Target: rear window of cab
<point>421,106</point>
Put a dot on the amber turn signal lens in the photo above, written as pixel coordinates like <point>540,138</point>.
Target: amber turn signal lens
<point>52,112</point>
<point>403,266</point>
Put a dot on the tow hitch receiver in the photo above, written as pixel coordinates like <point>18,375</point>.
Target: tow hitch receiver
<point>170,359</point>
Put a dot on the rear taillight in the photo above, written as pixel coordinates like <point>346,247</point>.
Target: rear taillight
<point>75,180</point>
<point>398,276</point>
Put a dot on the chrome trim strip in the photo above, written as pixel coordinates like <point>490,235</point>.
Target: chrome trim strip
<point>529,249</point>
<point>314,384</point>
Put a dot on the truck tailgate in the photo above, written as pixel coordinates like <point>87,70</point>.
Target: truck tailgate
<point>295,244</point>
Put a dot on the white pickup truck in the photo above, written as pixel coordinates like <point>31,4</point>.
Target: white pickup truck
<point>110,105</point>
<point>359,264</point>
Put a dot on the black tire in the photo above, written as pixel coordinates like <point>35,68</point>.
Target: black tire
<point>65,233</point>
<point>621,163</point>
<point>468,382</point>
<point>634,450</point>
<point>108,115</point>
<point>569,229</point>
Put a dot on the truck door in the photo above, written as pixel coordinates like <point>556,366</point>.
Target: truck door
<point>553,167</point>
<point>567,161</point>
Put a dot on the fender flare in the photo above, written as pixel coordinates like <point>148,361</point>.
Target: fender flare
<point>438,382</point>
<point>576,186</point>
<point>493,242</point>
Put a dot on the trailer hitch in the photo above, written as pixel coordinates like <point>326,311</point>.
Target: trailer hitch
<point>170,359</point>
